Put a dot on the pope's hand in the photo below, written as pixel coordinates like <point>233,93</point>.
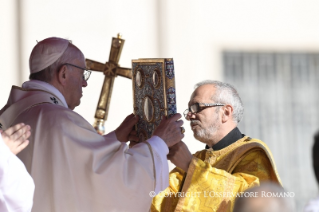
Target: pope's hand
<point>125,131</point>
<point>135,141</point>
<point>16,137</point>
<point>170,130</point>
<point>180,155</point>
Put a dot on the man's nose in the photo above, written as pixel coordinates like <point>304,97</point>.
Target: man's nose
<point>192,116</point>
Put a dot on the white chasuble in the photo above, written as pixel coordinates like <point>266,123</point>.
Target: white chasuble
<point>74,168</point>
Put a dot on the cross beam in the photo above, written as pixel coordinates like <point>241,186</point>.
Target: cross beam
<point>111,69</point>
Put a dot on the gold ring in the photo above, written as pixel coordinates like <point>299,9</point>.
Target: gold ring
<point>182,130</point>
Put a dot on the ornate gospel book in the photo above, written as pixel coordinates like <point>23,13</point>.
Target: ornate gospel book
<point>154,94</point>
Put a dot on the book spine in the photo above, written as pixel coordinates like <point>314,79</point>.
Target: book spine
<point>170,87</point>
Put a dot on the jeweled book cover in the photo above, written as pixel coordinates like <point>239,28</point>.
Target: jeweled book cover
<point>154,93</point>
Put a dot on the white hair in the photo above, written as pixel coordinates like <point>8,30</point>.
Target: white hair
<point>269,196</point>
<point>226,94</point>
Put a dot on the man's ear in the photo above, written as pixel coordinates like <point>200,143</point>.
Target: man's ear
<point>62,75</point>
<point>227,113</point>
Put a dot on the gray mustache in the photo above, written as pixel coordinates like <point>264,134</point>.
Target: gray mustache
<point>195,122</point>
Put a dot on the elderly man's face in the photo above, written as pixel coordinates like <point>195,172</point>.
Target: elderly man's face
<point>75,82</point>
<point>206,122</point>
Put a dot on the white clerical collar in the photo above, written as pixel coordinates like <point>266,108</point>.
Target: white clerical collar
<point>40,85</point>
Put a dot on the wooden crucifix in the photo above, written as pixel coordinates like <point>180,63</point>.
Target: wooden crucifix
<point>111,69</point>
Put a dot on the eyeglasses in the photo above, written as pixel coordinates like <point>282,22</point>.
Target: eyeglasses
<point>86,74</point>
<point>197,107</point>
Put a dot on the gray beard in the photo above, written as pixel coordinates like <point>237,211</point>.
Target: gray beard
<point>206,135</point>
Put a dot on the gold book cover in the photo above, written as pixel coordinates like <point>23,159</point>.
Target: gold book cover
<point>154,94</point>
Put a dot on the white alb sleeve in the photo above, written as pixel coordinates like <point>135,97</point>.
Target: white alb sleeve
<point>160,151</point>
<point>16,185</point>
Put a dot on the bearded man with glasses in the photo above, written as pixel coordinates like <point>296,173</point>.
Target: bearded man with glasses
<point>73,167</point>
<point>210,179</point>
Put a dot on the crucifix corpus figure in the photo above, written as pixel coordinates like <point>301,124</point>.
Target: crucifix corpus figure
<point>111,69</point>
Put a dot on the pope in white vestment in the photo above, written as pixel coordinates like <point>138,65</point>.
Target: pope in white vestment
<point>74,168</point>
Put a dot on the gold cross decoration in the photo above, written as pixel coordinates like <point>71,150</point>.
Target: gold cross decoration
<point>111,69</point>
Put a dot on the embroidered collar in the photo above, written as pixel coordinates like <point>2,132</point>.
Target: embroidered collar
<point>40,85</point>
